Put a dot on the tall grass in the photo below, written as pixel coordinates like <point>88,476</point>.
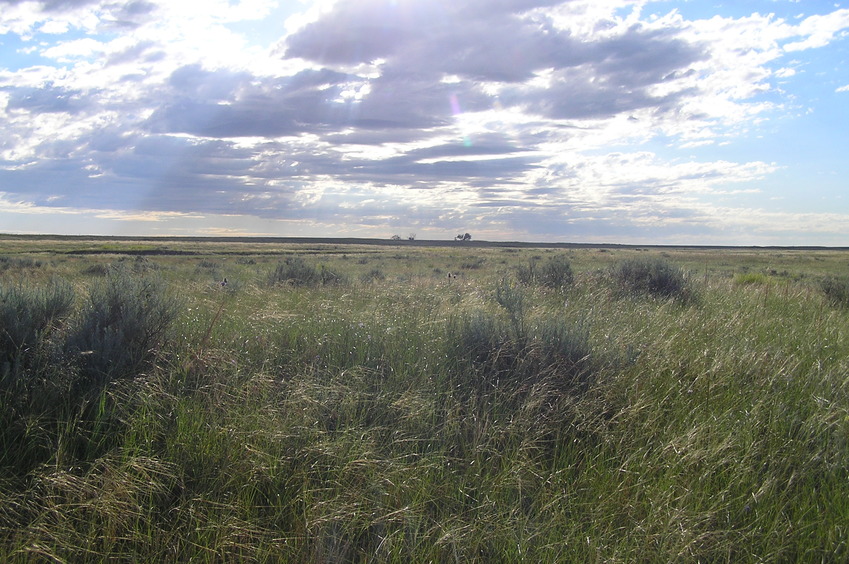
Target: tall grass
<point>482,421</point>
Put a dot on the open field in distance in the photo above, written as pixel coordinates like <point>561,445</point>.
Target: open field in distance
<point>413,401</point>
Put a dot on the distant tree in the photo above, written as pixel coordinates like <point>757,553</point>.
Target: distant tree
<point>396,237</point>
<point>465,237</point>
<point>411,237</point>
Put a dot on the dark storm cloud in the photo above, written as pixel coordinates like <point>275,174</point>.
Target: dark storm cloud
<point>624,69</point>
<point>127,10</point>
<point>483,146</point>
<point>481,53</point>
<point>164,156</point>
<point>114,16</point>
<point>373,137</point>
<point>478,41</point>
<point>47,99</point>
<point>484,42</point>
<point>641,57</point>
<point>53,5</point>
<point>46,183</point>
<point>411,100</point>
<point>581,95</point>
<point>215,176</point>
<point>154,174</point>
<point>421,42</point>
<point>127,16</point>
<point>227,104</point>
<point>195,82</point>
<point>248,119</point>
<point>483,8</point>
<point>360,32</point>
<point>404,171</point>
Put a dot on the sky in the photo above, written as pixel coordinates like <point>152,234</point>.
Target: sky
<point>587,121</point>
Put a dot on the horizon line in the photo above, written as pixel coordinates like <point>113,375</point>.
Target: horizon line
<point>408,242</point>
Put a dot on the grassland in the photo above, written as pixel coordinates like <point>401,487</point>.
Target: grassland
<point>343,402</point>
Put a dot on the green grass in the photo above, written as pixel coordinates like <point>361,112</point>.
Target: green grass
<point>409,417</point>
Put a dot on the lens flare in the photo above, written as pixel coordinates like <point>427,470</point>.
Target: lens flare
<point>458,114</point>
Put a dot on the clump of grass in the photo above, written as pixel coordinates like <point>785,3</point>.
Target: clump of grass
<point>751,279</point>
<point>295,271</point>
<point>373,275</point>
<point>653,277</point>
<point>478,339</point>
<point>139,264</point>
<point>836,290</point>
<point>206,264</point>
<point>7,263</point>
<point>97,269</point>
<point>514,301</point>
<point>143,264</point>
<point>518,354</point>
<point>551,345</point>
<point>475,263</point>
<point>555,273</point>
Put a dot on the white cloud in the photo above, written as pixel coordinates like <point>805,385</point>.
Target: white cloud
<point>54,27</point>
<point>69,50</point>
<point>819,30</point>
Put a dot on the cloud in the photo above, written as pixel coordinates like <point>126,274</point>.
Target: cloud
<point>24,17</point>
<point>534,117</point>
<point>53,5</point>
<point>48,99</point>
<point>819,30</point>
<point>434,38</point>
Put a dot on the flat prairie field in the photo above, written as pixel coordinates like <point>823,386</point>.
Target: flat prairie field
<point>309,400</point>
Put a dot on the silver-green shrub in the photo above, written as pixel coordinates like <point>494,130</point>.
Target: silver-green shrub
<point>836,290</point>
<point>295,271</point>
<point>26,314</point>
<point>125,322</point>
<point>654,277</point>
